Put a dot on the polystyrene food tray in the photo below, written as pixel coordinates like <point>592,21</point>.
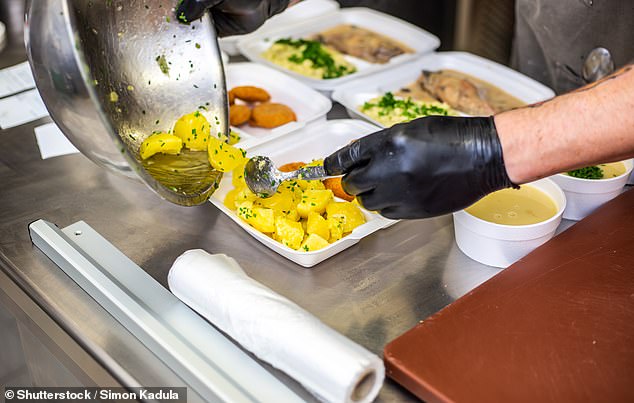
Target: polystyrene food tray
<point>417,39</point>
<point>313,142</point>
<point>300,12</point>
<point>308,104</point>
<point>356,93</point>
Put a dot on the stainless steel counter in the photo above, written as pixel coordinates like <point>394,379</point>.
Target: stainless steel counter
<point>371,293</point>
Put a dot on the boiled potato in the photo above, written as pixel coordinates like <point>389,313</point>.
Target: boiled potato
<point>244,194</point>
<point>244,208</point>
<point>301,215</point>
<point>292,214</point>
<point>194,130</point>
<point>289,232</point>
<point>160,143</point>
<point>237,176</point>
<point>316,224</point>
<point>224,157</point>
<point>315,163</point>
<point>315,201</point>
<point>230,198</point>
<point>262,219</point>
<point>283,203</point>
<point>313,242</point>
<point>310,185</point>
<point>335,225</point>
<point>350,212</point>
<point>233,137</point>
<point>293,187</point>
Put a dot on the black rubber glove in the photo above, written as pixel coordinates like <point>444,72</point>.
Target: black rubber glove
<point>231,17</point>
<point>427,167</point>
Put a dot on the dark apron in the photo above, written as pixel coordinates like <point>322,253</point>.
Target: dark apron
<point>553,37</point>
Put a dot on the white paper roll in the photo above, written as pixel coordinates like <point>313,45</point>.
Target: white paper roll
<point>278,331</point>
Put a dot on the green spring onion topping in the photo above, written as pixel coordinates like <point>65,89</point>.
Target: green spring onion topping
<point>320,58</point>
<point>410,109</point>
<point>591,172</point>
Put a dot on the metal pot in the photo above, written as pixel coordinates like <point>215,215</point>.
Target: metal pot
<point>112,72</point>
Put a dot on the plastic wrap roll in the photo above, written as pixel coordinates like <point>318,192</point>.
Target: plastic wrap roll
<point>276,330</point>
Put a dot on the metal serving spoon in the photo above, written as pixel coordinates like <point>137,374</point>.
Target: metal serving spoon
<point>598,64</point>
<point>263,178</point>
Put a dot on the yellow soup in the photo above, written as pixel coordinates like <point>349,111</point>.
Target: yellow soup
<point>612,170</point>
<point>525,206</point>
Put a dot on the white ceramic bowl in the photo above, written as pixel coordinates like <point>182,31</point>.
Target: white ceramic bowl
<point>586,195</point>
<point>502,245</point>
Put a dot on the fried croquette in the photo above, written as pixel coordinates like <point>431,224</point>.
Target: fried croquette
<point>291,166</point>
<point>270,115</point>
<point>249,93</point>
<point>239,114</point>
<point>232,97</point>
<point>334,184</point>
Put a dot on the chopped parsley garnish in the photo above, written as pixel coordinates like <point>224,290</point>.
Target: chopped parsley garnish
<point>408,108</point>
<point>163,65</point>
<point>317,55</point>
<point>591,172</point>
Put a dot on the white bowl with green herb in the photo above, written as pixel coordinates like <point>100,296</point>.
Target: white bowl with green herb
<point>588,188</point>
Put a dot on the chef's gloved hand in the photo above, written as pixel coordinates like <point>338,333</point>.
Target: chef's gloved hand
<point>231,17</point>
<point>427,167</point>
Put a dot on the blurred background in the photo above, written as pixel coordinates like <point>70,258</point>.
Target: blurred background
<point>481,27</point>
<point>477,26</point>
<point>12,15</point>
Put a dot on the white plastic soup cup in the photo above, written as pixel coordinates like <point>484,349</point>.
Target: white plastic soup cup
<point>586,195</point>
<point>501,245</point>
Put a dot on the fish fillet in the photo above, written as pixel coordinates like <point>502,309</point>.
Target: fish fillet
<point>459,93</point>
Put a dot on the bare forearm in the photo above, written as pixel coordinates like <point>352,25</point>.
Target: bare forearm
<point>591,125</point>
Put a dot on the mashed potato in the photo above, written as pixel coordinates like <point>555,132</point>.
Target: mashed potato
<point>309,58</point>
<point>389,110</point>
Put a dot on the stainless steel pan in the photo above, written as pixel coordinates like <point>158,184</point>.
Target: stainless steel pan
<point>111,72</point>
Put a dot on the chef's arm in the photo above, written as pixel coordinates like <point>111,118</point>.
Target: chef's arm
<point>439,164</point>
<point>591,125</point>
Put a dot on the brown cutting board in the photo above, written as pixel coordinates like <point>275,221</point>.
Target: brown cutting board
<point>557,326</point>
